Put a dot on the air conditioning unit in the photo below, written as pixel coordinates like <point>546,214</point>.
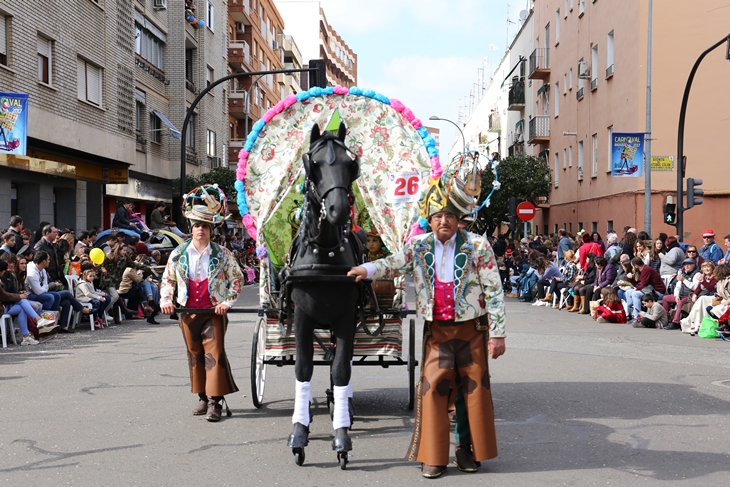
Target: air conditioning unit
<point>274,45</point>
<point>240,27</point>
<point>159,4</point>
<point>215,162</point>
<point>580,174</point>
<point>584,72</point>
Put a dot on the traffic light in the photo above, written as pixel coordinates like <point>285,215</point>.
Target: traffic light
<point>670,215</point>
<point>512,213</point>
<point>693,192</point>
<point>318,77</point>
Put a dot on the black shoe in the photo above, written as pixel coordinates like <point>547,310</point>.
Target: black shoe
<point>342,441</point>
<point>174,316</point>
<point>65,330</point>
<point>299,438</point>
<point>672,326</point>
<point>151,320</point>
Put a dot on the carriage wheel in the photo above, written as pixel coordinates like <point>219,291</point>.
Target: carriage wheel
<point>298,456</point>
<point>411,364</point>
<point>342,459</point>
<point>258,367</point>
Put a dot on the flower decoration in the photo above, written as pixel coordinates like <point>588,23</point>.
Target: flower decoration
<point>428,141</point>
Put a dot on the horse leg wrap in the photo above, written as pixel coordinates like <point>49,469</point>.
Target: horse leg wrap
<point>302,401</point>
<point>341,416</point>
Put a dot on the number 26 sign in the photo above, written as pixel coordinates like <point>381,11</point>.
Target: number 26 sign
<point>404,187</point>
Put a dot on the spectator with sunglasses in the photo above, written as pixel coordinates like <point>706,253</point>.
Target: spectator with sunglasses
<point>710,250</point>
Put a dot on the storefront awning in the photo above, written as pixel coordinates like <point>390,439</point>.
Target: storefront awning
<point>174,133</point>
<point>138,189</point>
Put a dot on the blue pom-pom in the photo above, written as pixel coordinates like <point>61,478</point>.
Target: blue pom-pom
<point>249,144</point>
<point>238,185</point>
<point>354,90</point>
<point>382,98</point>
<point>429,141</point>
<point>329,90</point>
<point>315,91</point>
<point>423,223</point>
<point>432,152</point>
<point>368,93</point>
<point>258,126</point>
<point>303,95</point>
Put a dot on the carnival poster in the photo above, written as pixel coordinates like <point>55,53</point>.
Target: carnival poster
<point>627,155</point>
<point>13,123</point>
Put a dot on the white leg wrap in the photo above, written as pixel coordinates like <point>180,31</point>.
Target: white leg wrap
<point>302,399</point>
<point>341,416</point>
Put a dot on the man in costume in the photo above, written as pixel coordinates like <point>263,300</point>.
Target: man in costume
<point>206,276</point>
<point>458,293</point>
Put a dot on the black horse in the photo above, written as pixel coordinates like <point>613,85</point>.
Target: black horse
<point>323,252</point>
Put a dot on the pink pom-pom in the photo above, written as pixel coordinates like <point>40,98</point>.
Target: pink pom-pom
<point>242,154</point>
<point>397,105</point>
<point>268,115</point>
<point>241,173</point>
<point>415,231</point>
<point>416,123</point>
<point>435,162</point>
<point>289,101</point>
<point>250,226</point>
<point>408,114</point>
<point>340,90</point>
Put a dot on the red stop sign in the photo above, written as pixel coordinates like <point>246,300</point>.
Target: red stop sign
<point>526,211</point>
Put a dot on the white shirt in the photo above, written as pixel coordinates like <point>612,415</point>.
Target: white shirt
<point>443,260</point>
<point>36,282</point>
<point>198,263</point>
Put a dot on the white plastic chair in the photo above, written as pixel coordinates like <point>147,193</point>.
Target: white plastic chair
<point>561,299</point>
<point>7,324</point>
<point>75,317</point>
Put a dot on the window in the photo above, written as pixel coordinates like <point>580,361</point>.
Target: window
<point>210,22</point>
<point>565,84</point>
<point>594,227</point>
<point>572,4</point>
<point>565,158</point>
<point>581,81</point>
<point>89,82</point>
<point>609,55</point>
<point>156,129</point>
<point>609,226</point>
<point>557,26</point>
<point>581,7</point>
<point>580,160</point>
<point>189,72</point>
<point>594,67</point>
<point>594,168</point>
<point>556,172</point>
<point>610,141</point>
<point>190,134</point>
<point>570,156</point>
<point>566,9</point>
<point>209,77</point>
<point>45,60</point>
<point>139,113</point>
<point>149,43</point>
<point>570,79</point>
<point>557,98</point>
<point>3,40</point>
<point>211,145</point>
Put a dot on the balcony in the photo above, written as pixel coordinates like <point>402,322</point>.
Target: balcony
<point>516,96</point>
<point>237,107</point>
<point>290,48</point>
<point>495,122</point>
<point>236,143</point>
<point>240,11</point>
<point>539,130</point>
<point>540,63</point>
<point>239,55</point>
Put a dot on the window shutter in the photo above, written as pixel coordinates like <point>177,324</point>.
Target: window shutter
<point>3,44</point>
<point>44,47</point>
<point>93,80</point>
<point>81,75</point>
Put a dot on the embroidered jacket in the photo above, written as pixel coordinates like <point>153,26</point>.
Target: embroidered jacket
<point>477,286</point>
<point>224,276</point>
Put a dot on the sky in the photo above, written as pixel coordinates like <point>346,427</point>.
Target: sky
<point>426,53</point>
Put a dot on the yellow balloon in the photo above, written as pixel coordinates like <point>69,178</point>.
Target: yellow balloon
<point>97,256</point>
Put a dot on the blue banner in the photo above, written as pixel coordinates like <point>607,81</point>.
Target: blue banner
<point>13,123</point>
<point>627,155</point>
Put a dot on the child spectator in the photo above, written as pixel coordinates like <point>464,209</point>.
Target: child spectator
<point>654,315</point>
<point>610,310</point>
<point>85,293</point>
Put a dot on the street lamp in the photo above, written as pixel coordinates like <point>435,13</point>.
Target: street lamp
<point>463,139</point>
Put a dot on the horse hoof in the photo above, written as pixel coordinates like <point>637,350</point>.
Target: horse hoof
<point>299,438</point>
<point>342,442</point>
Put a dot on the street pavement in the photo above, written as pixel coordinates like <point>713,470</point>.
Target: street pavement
<point>577,403</point>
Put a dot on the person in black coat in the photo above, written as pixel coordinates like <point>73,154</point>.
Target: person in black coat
<point>121,217</point>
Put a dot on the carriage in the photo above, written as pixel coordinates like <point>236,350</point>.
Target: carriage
<point>397,157</point>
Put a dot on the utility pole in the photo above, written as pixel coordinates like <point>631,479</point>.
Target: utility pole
<point>647,137</point>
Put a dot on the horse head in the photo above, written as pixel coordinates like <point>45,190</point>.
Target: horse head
<point>330,170</point>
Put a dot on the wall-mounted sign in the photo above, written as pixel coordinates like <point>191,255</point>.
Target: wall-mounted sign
<point>13,123</point>
<point>662,163</point>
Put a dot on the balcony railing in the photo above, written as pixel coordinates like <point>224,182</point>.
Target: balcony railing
<point>609,71</point>
<point>539,129</point>
<point>594,84</point>
<point>495,122</point>
<point>540,63</point>
<point>579,94</point>
<point>516,96</point>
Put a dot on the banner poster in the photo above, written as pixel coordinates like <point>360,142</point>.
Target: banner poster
<point>13,123</point>
<point>627,155</point>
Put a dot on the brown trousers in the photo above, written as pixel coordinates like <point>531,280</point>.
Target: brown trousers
<point>204,336</point>
<point>451,348</point>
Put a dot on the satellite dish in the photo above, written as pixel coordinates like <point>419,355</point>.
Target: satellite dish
<point>523,15</point>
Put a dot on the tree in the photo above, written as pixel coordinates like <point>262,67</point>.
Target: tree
<point>524,177</point>
<point>224,177</point>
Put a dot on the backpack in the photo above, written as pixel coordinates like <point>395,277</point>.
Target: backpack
<point>527,282</point>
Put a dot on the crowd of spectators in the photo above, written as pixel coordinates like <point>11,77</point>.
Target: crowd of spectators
<point>632,278</point>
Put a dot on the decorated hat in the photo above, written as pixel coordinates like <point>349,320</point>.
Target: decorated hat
<point>365,222</point>
<point>447,193</point>
<point>206,204</point>
<point>708,233</point>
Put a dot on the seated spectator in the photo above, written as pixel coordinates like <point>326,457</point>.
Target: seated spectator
<point>18,305</point>
<point>605,275</point>
<point>726,257</point>
<point>610,310</point>
<point>142,246</point>
<point>596,237</point>
<point>521,267</point>
<point>8,243</point>
<point>653,317</point>
<point>688,279</point>
<point>588,248</point>
<point>628,245</point>
<point>584,287</point>
<point>121,217</point>
<point>718,303</point>
<point>655,253</point>
<point>86,240</point>
<point>641,249</point>
<point>564,244</point>
<point>87,294</point>
<point>568,272</point>
<point>613,248</point>
<point>671,261</point>
<point>710,250</point>
<point>645,281</point>
<point>546,272</point>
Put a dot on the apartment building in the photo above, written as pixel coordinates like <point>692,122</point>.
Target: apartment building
<point>306,22</point>
<point>588,75</point>
<point>256,43</point>
<point>107,100</point>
